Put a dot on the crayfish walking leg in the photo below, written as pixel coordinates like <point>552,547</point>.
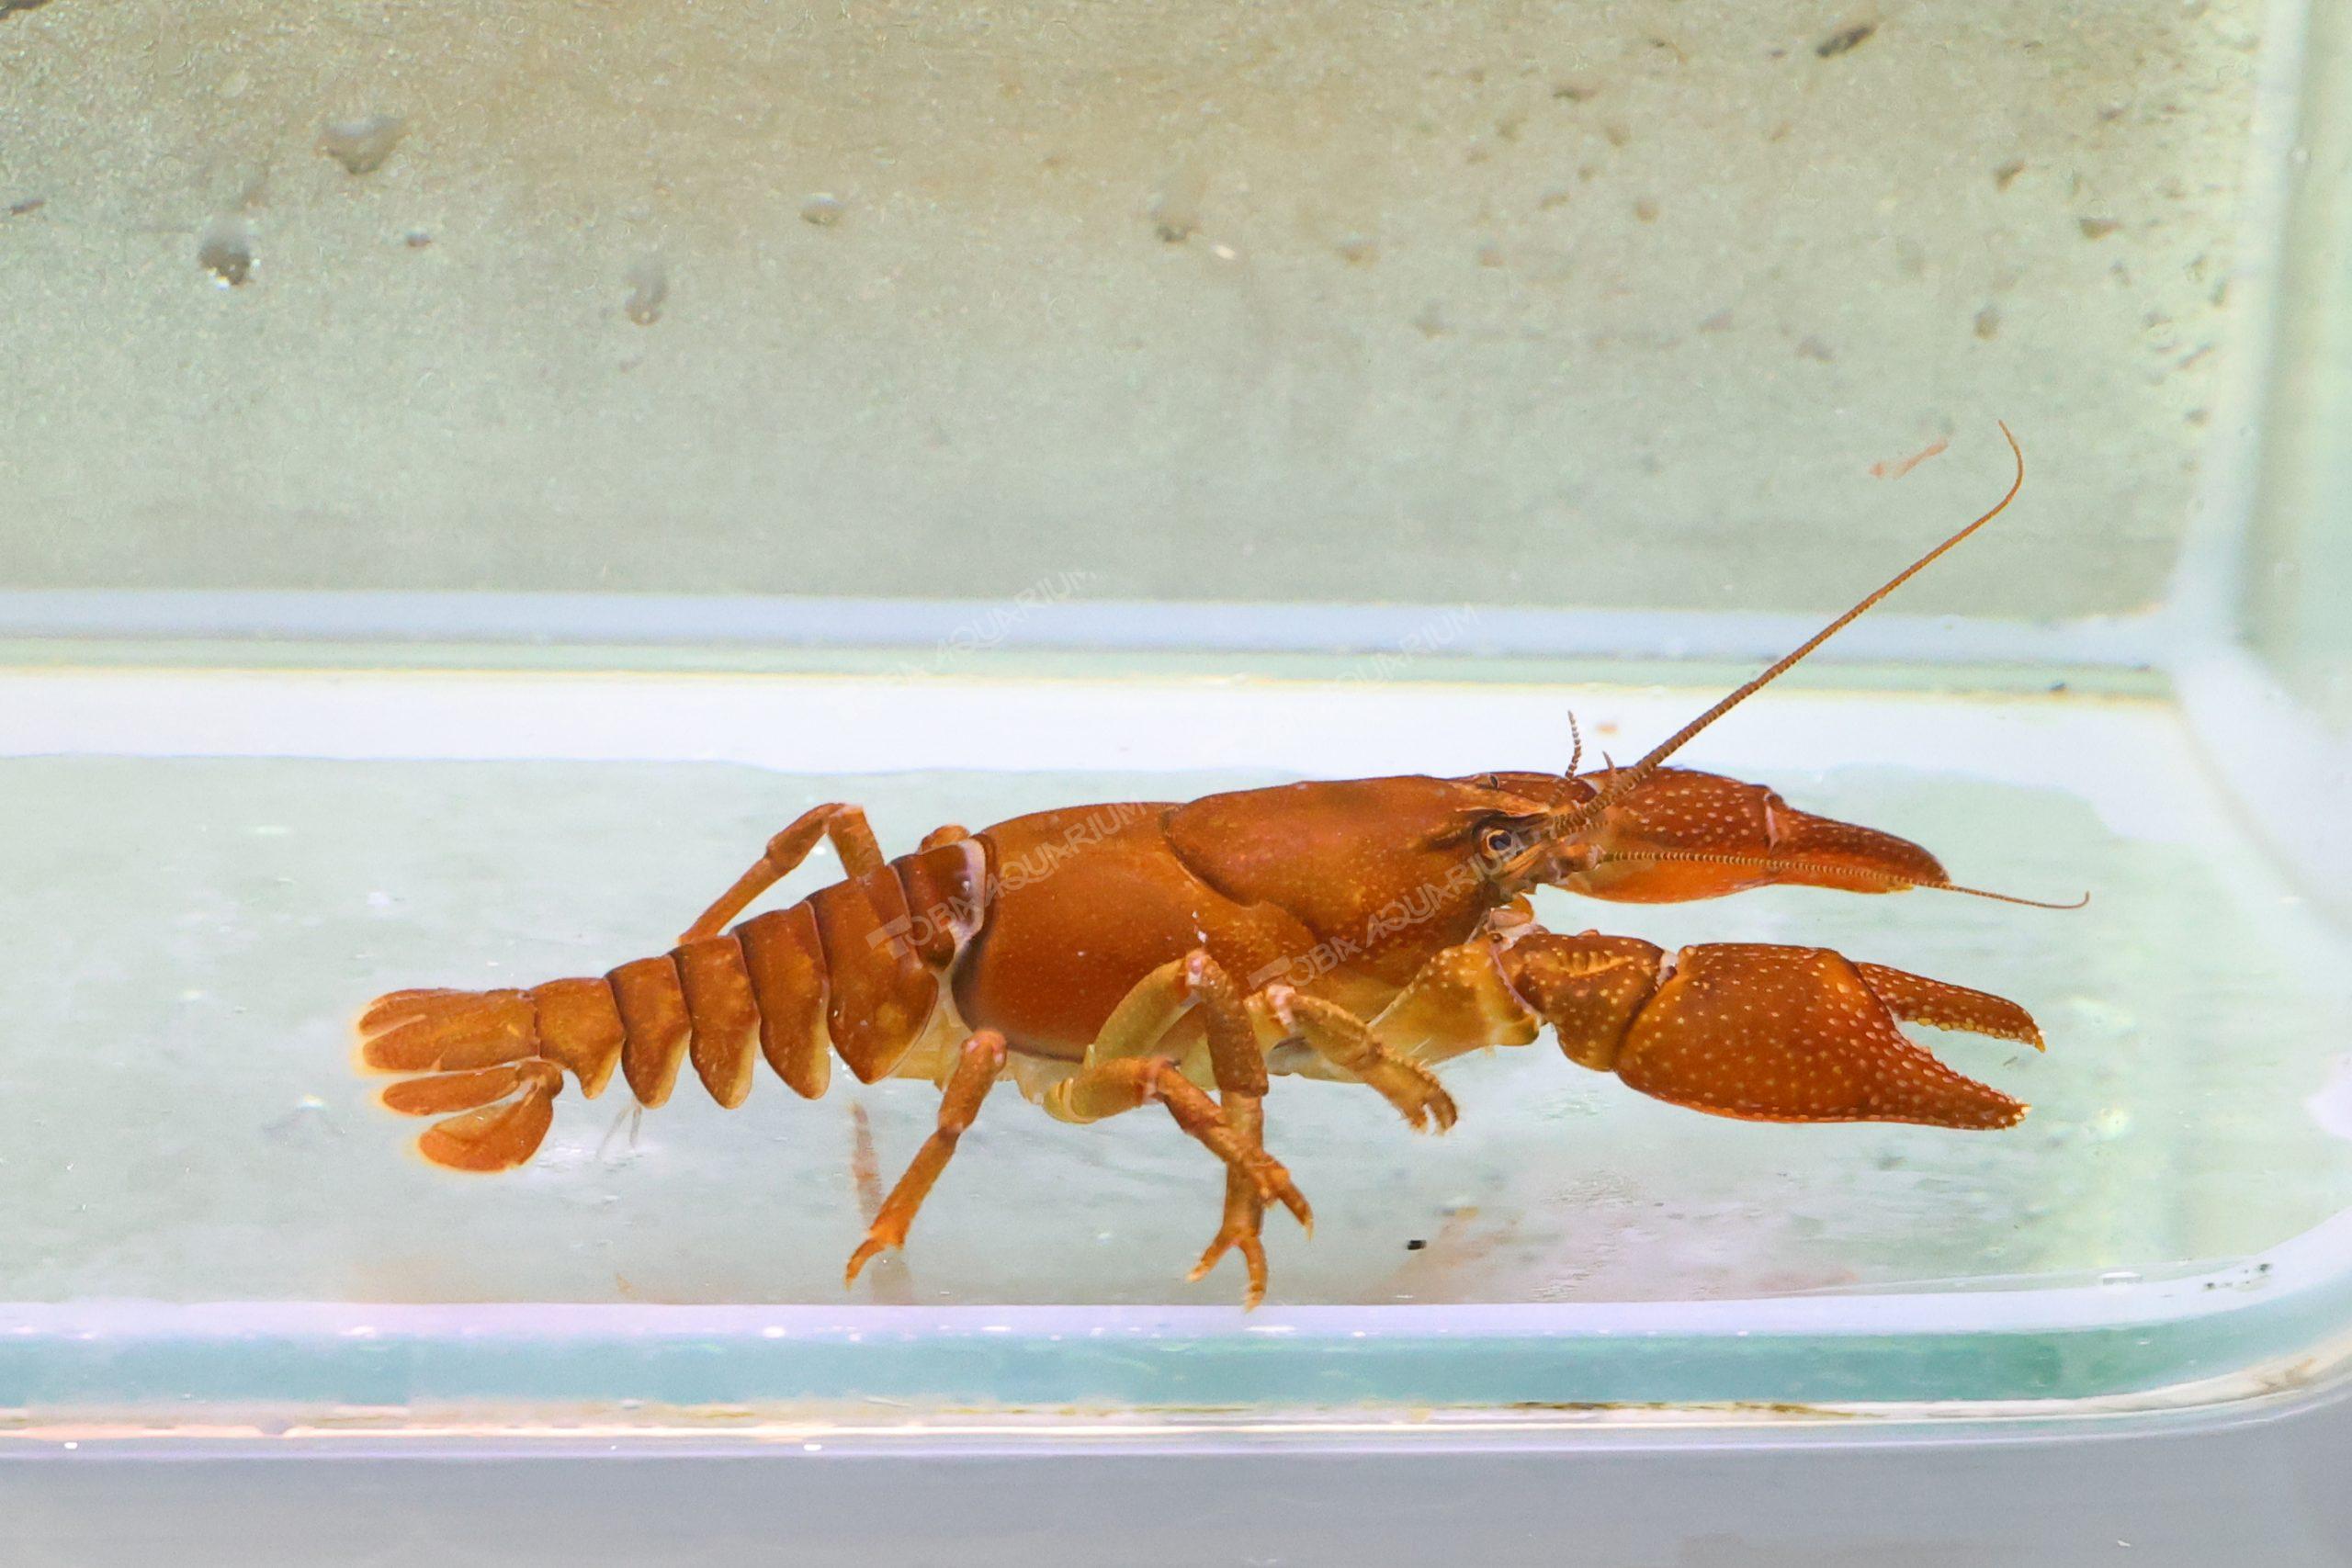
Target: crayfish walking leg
<point>1238,1068</point>
<point>1346,1041</point>
<point>1111,1089</point>
<point>976,1070</point>
<point>1130,1065</point>
<point>853,840</point>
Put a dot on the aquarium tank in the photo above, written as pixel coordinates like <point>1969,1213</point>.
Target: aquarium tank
<point>472,474</point>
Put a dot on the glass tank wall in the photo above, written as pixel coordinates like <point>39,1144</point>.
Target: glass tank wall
<point>472,473</point>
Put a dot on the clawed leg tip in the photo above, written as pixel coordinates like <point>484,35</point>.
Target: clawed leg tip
<point>1251,1297</point>
<point>860,1258</point>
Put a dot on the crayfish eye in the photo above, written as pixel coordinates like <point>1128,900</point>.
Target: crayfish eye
<point>1498,843</point>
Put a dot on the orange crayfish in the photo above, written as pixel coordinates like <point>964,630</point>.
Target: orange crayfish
<point>1362,930</point>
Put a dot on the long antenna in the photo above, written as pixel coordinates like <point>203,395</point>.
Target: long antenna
<point>1623,783</point>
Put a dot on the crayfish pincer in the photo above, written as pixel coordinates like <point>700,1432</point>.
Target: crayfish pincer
<point>1107,958</point>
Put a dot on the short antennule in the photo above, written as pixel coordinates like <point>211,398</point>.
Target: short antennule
<point>1625,782</point>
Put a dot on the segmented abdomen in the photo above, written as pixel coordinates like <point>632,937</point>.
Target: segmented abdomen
<point>854,969</point>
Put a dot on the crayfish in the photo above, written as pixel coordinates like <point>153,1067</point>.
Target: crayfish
<point>1108,958</point>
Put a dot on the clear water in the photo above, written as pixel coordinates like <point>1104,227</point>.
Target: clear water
<point>180,1123</point>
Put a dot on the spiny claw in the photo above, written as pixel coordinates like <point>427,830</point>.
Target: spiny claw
<point>1770,1034</point>
<point>1939,1004</point>
<point>1685,834</point>
<point>1802,1034</point>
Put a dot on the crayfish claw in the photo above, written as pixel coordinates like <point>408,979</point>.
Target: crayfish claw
<point>1681,834</point>
<point>1939,1004</point>
<point>1765,1032</point>
<point>1804,1034</point>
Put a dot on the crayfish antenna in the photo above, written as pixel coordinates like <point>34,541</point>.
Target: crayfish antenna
<point>1630,778</point>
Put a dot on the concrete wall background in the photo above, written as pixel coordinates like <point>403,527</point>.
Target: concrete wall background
<point>1562,305</point>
